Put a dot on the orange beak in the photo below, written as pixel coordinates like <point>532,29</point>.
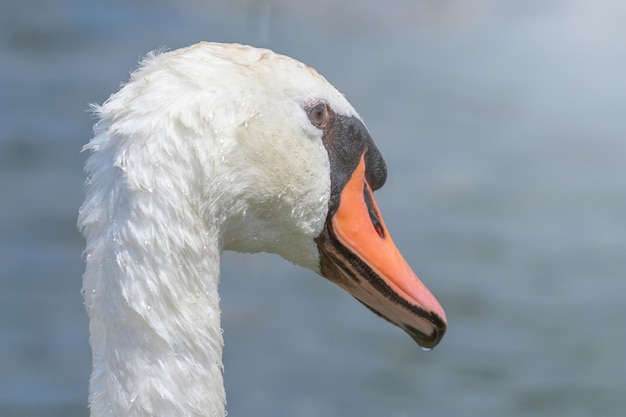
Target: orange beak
<point>358,254</point>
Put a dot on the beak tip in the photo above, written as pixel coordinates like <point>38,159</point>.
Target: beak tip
<point>428,341</point>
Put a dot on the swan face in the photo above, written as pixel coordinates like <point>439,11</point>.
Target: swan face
<point>286,166</point>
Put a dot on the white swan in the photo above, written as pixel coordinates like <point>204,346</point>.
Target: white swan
<point>216,147</point>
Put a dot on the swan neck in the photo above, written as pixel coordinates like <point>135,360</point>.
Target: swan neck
<point>151,293</point>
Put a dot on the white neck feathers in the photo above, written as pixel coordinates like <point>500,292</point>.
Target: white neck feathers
<point>151,279</point>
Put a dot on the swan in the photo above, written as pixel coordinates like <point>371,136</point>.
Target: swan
<point>219,147</point>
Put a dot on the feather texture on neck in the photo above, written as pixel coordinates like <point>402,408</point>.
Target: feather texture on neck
<point>152,274</point>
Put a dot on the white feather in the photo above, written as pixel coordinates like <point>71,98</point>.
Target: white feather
<point>206,148</point>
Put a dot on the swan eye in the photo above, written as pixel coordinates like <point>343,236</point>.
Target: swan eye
<point>318,115</point>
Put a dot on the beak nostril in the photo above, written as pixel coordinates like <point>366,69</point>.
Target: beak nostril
<point>374,215</point>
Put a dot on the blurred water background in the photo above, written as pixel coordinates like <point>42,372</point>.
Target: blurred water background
<point>503,125</point>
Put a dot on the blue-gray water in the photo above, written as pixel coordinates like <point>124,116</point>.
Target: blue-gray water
<point>503,125</point>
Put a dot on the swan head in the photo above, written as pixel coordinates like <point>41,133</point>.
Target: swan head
<point>280,162</point>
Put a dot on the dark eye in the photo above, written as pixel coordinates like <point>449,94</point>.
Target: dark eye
<point>318,115</point>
